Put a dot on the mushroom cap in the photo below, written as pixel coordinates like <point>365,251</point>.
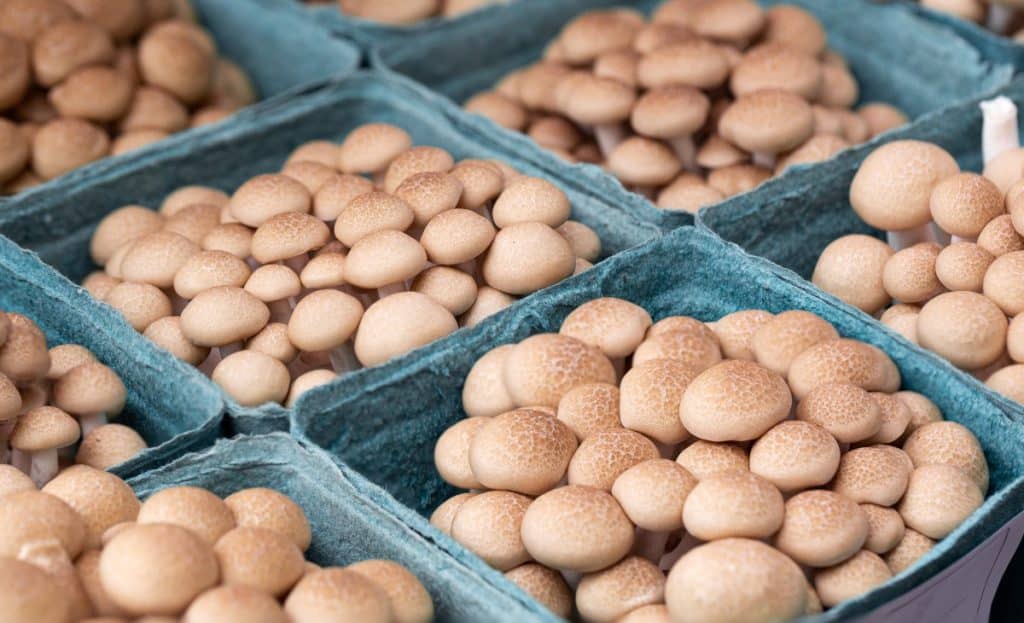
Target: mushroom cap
<point>95,93</point>
<point>588,408</point>
<point>192,508</point>
<point>697,349</point>
<point>155,258</point>
<point>795,455</point>
<point>843,361</point>
<point>416,160</point>
<point>912,546</point>
<point>964,203</point>
<point>288,235</point>
<point>31,516</point>
<point>64,144</point>
<point>16,69</point>
<point>640,161</point>
<point>192,195</point>
<point>177,61</point>
<point>650,395</point>
<point>24,357</point>
<point>13,480</point>
<point>592,33</point>
<point>696,63</point>
<point>223,315</point>
<point>526,199</point>
<point>614,325</point>
<point>966,328</point>
<point>781,338</point>
<point>734,401</point>
<point>525,257</point>
<point>605,455</point>
<point>410,601</point>
<point>454,289</point>
<point>325,270</point>
<point>735,579</point>
<point>633,582</point>
<point>252,378</point>
<point>850,578</point>
<point>323,152</point>
<point>1005,169</point>
<point>258,558</point>
<point>16,143</point>
<point>556,132</point>
<point>922,410</point>
<point>821,528</point>
<point>689,194</point>
<point>903,320</point>
<point>44,428</point>
<point>312,175</point>
<point>885,528</point>
<point>1008,382</point>
<point>307,381</point>
<point>576,528</point>
<point>489,525</point>
<point>489,301</point>
<point>371,147</point>
<point>324,319</point>
<point>593,100</point>
<point>109,445</point>
<point>1000,237</point>
<point>881,117</point>
<point>652,494</point>
<point>10,400</point>
<point>234,604</point>
<point>429,194</point>
<point>209,269</point>
<point>481,181</point>
<point>909,275</point>
<point>265,508</point>
<point>444,515</point>
<point>273,282</point>
<point>372,212</point>
<point>498,460</point>
<point>736,331</point>
<point>893,186</point>
<point>120,226</point>
<point>716,152</point>
<point>939,498</point>
<point>268,195</point>
<point>101,499</point>
<point>704,459</point>
<point>962,266</point>
<point>484,393</point>
<point>335,594</point>
<point>544,367</point>
<point>852,268</point>
<point>499,108</point>
<point>544,585</point>
<point>65,357</point>
<point>872,474</point>
<point>796,28</point>
<point>818,148</point>
<point>166,333</point>
<point>451,454</point>
<point>767,121</point>
<point>734,21</point>
<point>273,340</point>
<point>233,238</point>
<point>33,594</point>
<point>456,236</point>
<point>399,323</point>
<point>1002,283</point>
<point>141,304</point>
<point>737,178</point>
<point>733,504</point>
<point>336,193</point>
<point>384,257</point>
<point>895,418</point>
<point>777,65</point>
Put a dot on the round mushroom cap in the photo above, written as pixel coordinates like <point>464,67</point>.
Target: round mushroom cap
<point>325,270</point>
<point>872,474</point>
<point>1000,237</point>
<point>65,357</point>
<point>881,117</point>
<point>273,282</point>
<point>64,144</point>
<point>922,410</point>
<point>444,515</point>
<point>895,418</point>
<point>192,508</point>
<point>843,361</point>
<point>1002,283</point>
<point>696,63</point>
<point>734,401</point>
<point>670,111</point>
<point>498,461</point>
<point>454,289</point>
<point>44,428</point>
<point>371,147</point>
<point>736,331</point>
<point>177,63</point>
<point>416,160</point>
<point>735,579</point>
<point>525,257</point>
<point>223,315</point>
<point>640,161</point>
<point>324,319</point>
<point>335,594</point>
<point>166,333</point>
<point>767,121</point>
<point>369,213</point>
<point>15,145</point>
<point>489,525</point>
<point>31,594</point>
<point>650,396</point>
<point>287,235</point>
<point>543,368</point>
<point>489,301</point>
<point>556,132</point>
<point>595,32</point>
<point>24,358</point>
<point>209,269</point>
<point>192,195</point>
<point>312,175</point>
<point>305,382</point>
<point>912,546</point>
<point>852,268</point>
<point>733,504</point>
<point>399,323</point>
<point>141,304</point>
<point>696,348</point>
<point>252,378</point>
<point>499,108</point>
<point>962,266</point>
<point>456,236</point>
<point>101,499</point>
<point>592,100</point>
<point>909,275</point>
<point>155,258</point>
<point>576,528</point>
<point>781,338</point>
<point>777,65</point>
<point>821,528</point>
<point>614,325</point>
<point>484,393</point>
<point>732,21</point>
<point>481,180</point>
<point>963,204</point>
<point>526,199</point>
<point>939,498</point>
<point>268,195</point>
<point>384,257</point>
<point>1008,382</point>
<point>795,455</point>
<point>588,408</point>
<point>688,193</point>
<point>10,400</point>
<point>429,194</point>
<point>854,576</point>
<point>120,226</point>
<point>885,528</point>
<point>1005,169</point>
<point>605,455</point>
<point>893,186</point>
<point>234,604</point>
<point>322,152</point>
<point>652,494</point>
<point>336,193</point>
<point>633,582</point>
<point>260,559</point>
<point>410,601</point>
<point>966,328</point>
<point>704,459</point>
<point>716,152</point>
<point>451,454</point>
<point>544,585</point>
<point>13,480</point>
<point>95,93</point>
<point>109,445</point>
<point>818,148</point>
<point>31,516</point>
<point>269,509</point>
<point>736,179</point>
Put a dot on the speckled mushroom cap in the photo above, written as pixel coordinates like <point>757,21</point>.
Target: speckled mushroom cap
<point>777,65</point>
<point>191,195</point>
<point>939,498</point>
<point>592,100</point>
<point>336,193</point>
<point>324,319</point>
<point>416,160</point>
<point>821,528</point>
<point>895,418</point>
<point>499,108</point>
<point>489,301</point>
<point>24,357</point>
<point>734,401</point>
<point>795,455</point>
<point>733,504</point>
<point>234,604</point>
<point>652,494</point>
<point>322,152</point>
<point>176,63</point>
<point>325,270</point>
<point>846,411</point>
<point>577,528</point>
<point>429,193</point>
<point>454,289</point>
<point>595,32</point>
<point>963,204</point>
<point>885,528</point>
<point>273,282</point>
<point>489,525</point>
<point>781,338</point>
<point>444,515</point>
<point>96,93</point>
<point>525,257</point>
<point>109,445</point>
<point>372,212</point>
<point>524,451</point>
<point>382,258</point>
<point>851,268</point>
<point>265,196</point>
<point>542,368</point>
<point>544,585</point>
<point>398,323</point>
<point>962,266</point>
<point>736,331</point>
<point>643,162</point>
<point>1008,382</point>
<point>223,315</point>
<point>335,594</point>
<point>704,459</point>
<point>266,508</point>
<point>312,175</point>
<point>843,361</point>
<point>16,68</point>
<point>141,304</point>
<point>966,328</point>
<point>922,410</point>
<point>44,428</point>
<point>64,144</point>
<point>451,453</point>
<point>1002,282</point>
<point>881,117</point>
<point>481,180</point>
<point>999,237</point>
<point>307,381</point>
<point>688,193</point>
<point>13,480</point>
<point>65,357</point>
<point>484,393</point>
<point>527,199</point>
<point>410,601</point>
<point>614,325</point>
<point>456,236</point>
<point>738,178</point>
<point>100,499</point>
<point>192,508</point>
<point>696,63</point>
<point>767,121</point>
<point>166,333</point>
<point>872,474</point>
<point>261,559</point>
<point>252,378</point>
<point>605,455</point>
<point>670,111</point>
<point>34,595</point>
<point>155,258</point>
<point>650,396</point>
<point>120,226</point>
<point>818,148</point>
<point>893,186</point>
<point>912,546</point>
<point>288,235</point>
<point>605,595</point>
<point>29,516</point>
<point>234,238</point>
<point>909,275</point>
<point>731,21</point>
<point>683,339</point>
<point>854,576</point>
<point>732,579</point>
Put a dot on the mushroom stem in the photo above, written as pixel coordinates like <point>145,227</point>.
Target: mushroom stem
<point>762,159</point>
<point>999,125</point>
<point>91,421</point>
<point>650,545</point>
<point>280,311</point>
<point>608,137</point>
<point>44,466</point>
<point>686,150</point>
<point>343,358</point>
<point>999,18</point>
<point>572,578</point>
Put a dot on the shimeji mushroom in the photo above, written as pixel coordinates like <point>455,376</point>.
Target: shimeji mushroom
<point>92,392</point>
<point>36,439</point>
<point>410,601</point>
<point>196,509</point>
<point>258,558</point>
<point>234,604</point>
<point>338,594</point>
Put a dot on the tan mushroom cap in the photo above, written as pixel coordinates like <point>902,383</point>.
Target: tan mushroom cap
<point>489,301</point>
<point>903,320</point>
<point>288,235</point>
<point>583,240</point>
<point>652,493</point>
<point>821,528</point>
<point>696,63</point>
<point>939,497</point>
<point>192,195</point>
<point>489,525</point>
<point>312,175</point>
<point>166,333</point>
<point>454,289</point>
<point>554,132</point>
<point>796,28</point>
<point>24,357</point>
<point>99,284</point>
<point>614,325</point>
<point>30,516</point>
<point>854,576</point>
<point>65,357</point>
<point>872,474</point>
<point>962,266</point>
<point>252,378</point>
<point>734,21</point>
<point>192,508</point>
<point>736,331</point>
<point>733,504</point>
<point>325,270</point>
<point>767,121</point>
<point>589,408</point>
<point>176,62</point>
<point>527,199</point>
<point>335,594</point>
<point>795,455</point>
<point>852,268</point>
<point>336,193</point>
<point>606,454</point>
<point>843,361</point>
<point>498,461</point>
<point>94,93</point>
<point>305,382</point>
<point>704,459</point>
<point>818,148</point>
<point>109,445</point>
<point>13,480</point>
<point>633,582</point>
<point>525,257</point>
<point>885,528</point>
<point>650,396</point>
<point>1005,169</point>
<point>643,162</point>
<point>1002,282</point>
<point>34,595</point>
<point>499,108</point>
<point>895,418</point>
<point>399,323</point>
<point>481,182</point>
<point>10,400</point>
<point>223,315</point>
<point>323,320</point>
<point>456,236</point>
<point>371,212</point>
<point>415,160</point>
<point>964,203</point>
<point>999,237</point>
<point>90,388</point>
<point>733,579</point>
<point>44,428</point>
<point>484,392</point>
<point>909,275</point>
<point>372,147</point>
<point>577,528</point>
<point>451,454</point>
<point>121,226</point>
<point>100,499</point>
<point>209,269</point>
<point>155,258</point>
<point>922,409</point>
<point>688,193</point>
<point>15,154</point>
<point>780,339</point>
<point>266,508</point>
<point>260,559</point>
<point>322,152</point>
<point>695,348</point>
<point>272,282</point>
<point>777,65</point>
<point>912,546</point>
<point>62,145</point>
<point>716,152</point>
<point>736,179</point>
<point>544,585</point>
<point>596,32</point>
<point>893,186</point>
<point>966,328</point>
<point>592,100</point>
<point>444,514</point>
<point>734,401</point>
<point>543,368</point>
<point>234,604</point>
<point>410,601</point>
<point>265,196</point>
<point>881,117</point>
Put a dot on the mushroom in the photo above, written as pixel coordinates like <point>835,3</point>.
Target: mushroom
<point>192,195</point>
<point>912,546</point>
<point>652,494</point>
<point>252,378</point>
<point>885,528</point>
<point>36,439</point>
<point>35,517</point>
<point>101,499</point>
<point>13,480</point>
<point>909,275</point>
<point>782,337</point>
<point>259,559</point>
<point>92,392</point>
<point>605,455</point>
<point>903,320</point>
<point>603,596</point>
<point>489,301</point>
<point>795,455</point>
<point>10,409</point>
<point>704,459</point>
<point>966,328</point>
<point>497,461</point>
<point>544,585</point>
<point>109,445</point>
<point>543,368</point>
<point>451,452</point>
<point>843,361</point>
<point>674,114</point>
<point>267,508</point>
<point>821,528</point>
<point>223,317</point>
<point>410,601</point>
<point>488,524</point>
<point>193,508</point>
<point>872,474</point>
<point>444,515</point>
<point>398,323</point>
<point>939,497</point>
<point>650,399</point>
<point>62,145</point>
<point>962,266</point>
<point>767,122</point>
<point>734,401</point>
<point>325,320</point>
<point>307,381</point>
<point>733,504</point>
<point>585,409</point>
<point>964,203</point>
<point>852,269</point>
<point>1001,282</point>
<point>850,578</point>
<point>39,598</point>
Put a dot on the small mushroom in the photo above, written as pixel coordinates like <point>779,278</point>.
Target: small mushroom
<point>37,437</point>
<point>92,392</point>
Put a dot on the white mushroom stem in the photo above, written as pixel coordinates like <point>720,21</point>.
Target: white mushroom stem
<point>686,151</point>
<point>280,311</point>
<point>942,237</point>
<point>764,160</point>
<point>999,18</point>
<point>999,125</point>
<point>650,545</point>
<point>44,466</point>
<point>572,578</point>
<point>472,268</point>
<point>667,450</point>
<point>343,358</point>
<point>609,136</point>
<point>91,421</point>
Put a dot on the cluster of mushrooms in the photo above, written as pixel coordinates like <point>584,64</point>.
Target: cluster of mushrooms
<point>762,462</point>
<point>1004,17</point>
<point>706,100</point>
<point>85,549</point>
<point>82,79</point>
<point>55,404</point>
<point>406,12</point>
<point>351,255</point>
<point>951,276</point>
